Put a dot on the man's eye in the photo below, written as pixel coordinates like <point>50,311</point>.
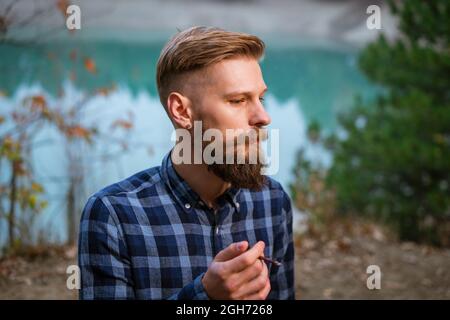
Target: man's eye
<point>262,100</point>
<point>236,101</point>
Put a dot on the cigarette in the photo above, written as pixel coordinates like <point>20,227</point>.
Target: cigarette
<point>277,263</point>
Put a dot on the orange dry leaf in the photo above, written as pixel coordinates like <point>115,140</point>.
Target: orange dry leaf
<point>36,187</point>
<point>19,168</point>
<point>78,132</point>
<point>62,6</point>
<point>89,64</point>
<point>104,91</point>
<point>127,125</point>
<point>38,102</point>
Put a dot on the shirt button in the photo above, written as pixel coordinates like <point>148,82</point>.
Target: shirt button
<point>217,230</point>
<point>237,205</point>
<point>187,205</point>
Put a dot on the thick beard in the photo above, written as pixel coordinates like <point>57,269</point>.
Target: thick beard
<point>246,175</point>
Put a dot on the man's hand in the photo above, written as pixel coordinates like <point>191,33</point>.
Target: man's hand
<point>237,274</point>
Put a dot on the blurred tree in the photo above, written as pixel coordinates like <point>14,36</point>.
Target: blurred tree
<point>20,124</point>
<point>394,162</point>
<point>19,127</point>
<point>10,21</point>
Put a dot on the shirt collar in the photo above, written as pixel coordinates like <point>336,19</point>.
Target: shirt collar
<point>184,194</point>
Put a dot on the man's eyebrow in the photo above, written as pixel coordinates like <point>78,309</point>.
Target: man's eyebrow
<point>246,93</point>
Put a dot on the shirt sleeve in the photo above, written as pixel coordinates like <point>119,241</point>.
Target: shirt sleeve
<point>282,277</point>
<point>102,254</point>
<point>192,291</point>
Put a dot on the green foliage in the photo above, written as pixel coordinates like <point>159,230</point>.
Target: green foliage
<point>394,163</point>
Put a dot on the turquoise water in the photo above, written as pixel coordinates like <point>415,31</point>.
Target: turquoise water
<point>306,82</point>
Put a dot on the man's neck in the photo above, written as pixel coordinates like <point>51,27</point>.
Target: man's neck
<point>205,183</point>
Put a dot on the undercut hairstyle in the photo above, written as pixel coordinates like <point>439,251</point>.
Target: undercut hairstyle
<point>197,48</point>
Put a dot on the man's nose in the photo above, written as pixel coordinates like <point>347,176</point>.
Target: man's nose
<point>258,116</point>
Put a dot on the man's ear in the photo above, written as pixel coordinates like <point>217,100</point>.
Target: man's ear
<point>179,108</point>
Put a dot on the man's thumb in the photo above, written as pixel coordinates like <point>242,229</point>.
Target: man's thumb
<point>232,251</point>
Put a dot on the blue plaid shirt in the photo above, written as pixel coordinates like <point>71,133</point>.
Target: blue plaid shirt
<point>151,237</point>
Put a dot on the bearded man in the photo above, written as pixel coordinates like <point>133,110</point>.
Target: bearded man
<point>197,229</point>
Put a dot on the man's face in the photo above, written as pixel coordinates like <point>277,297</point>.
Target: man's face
<point>228,95</point>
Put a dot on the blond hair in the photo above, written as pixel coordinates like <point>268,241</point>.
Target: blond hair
<point>198,47</point>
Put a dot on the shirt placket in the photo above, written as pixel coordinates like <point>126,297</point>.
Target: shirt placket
<point>215,232</point>
<point>219,218</point>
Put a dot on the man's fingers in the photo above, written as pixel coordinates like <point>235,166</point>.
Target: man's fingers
<point>251,272</point>
<point>246,259</point>
<point>256,283</point>
<point>261,295</point>
<point>232,251</point>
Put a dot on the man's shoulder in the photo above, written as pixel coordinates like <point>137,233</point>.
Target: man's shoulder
<point>144,181</point>
<point>102,205</point>
<point>276,189</point>
<point>279,199</point>
<point>273,184</point>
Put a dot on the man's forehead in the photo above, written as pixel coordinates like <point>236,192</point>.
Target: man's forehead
<point>231,76</point>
